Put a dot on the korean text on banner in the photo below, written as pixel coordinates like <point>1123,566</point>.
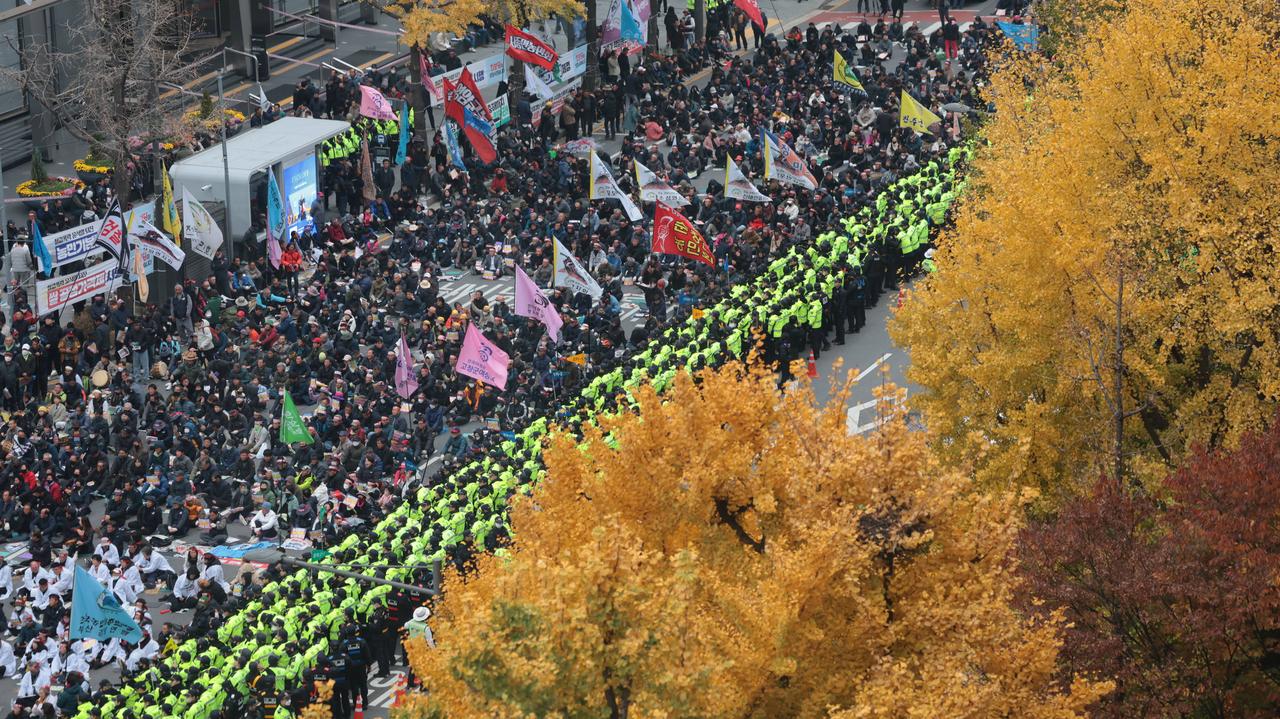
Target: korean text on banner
<point>198,227</point>
<point>58,292</point>
<point>482,359</point>
<point>530,302</point>
<point>674,234</point>
<point>97,614</point>
<point>485,73</point>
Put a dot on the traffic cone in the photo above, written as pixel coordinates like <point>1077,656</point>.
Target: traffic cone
<point>900,294</point>
<point>813,366</point>
<point>401,682</point>
<point>359,712</point>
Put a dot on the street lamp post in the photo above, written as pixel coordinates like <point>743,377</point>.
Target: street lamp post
<point>226,167</point>
<point>4,227</point>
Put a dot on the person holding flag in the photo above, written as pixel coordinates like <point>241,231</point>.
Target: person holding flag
<point>292,428</point>
<point>843,75</point>
<point>402,150</point>
<point>40,250</point>
<point>674,234</point>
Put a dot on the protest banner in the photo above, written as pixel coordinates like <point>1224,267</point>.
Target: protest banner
<point>58,292</point>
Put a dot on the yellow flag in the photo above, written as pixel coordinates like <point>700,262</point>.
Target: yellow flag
<point>579,358</point>
<point>698,314</point>
<point>843,74</point>
<point>914,115</point>
<point>169,213</point>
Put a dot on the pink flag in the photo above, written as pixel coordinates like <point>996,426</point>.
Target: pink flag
<point>273,249</point>
<point>530,302</point>
<point>433,90</point>
<point>406,383</point>
<point>482,359</point>
<point>373,104</point>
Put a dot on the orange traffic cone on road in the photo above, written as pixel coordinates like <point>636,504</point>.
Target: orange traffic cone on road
<point>359,712</point>
<point>401,683</point>
<point>900,295</point>
<point>813,366</point>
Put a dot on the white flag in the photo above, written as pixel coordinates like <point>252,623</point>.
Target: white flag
<point>571,274</point>
<point>602,186</point>
<point>153,243</point>
<point>199,228</point>
<point>783,164</point>
<point>655,189</point>
<point>737,186</point>
<point>536,85</point>
<point>263,103</point>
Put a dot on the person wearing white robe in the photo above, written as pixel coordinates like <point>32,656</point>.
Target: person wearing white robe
<point>35,678</point>
<point>35,573</point>
<point>67,660</point>
<point>108,552</point>
<point>62,582</point>
<point>8,660</point>
<point>114,650</point>
<point>152,566</point>
<point>213,572</point>
<point>185,591</point>
<point>21,614</point>
<point>100,571</point>
<point>41,649</point>
<point>40,596</point>
<point>129,585</point>
<point>146,649</point>
<point>6,581</point>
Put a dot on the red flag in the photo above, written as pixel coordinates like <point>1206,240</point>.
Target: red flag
<point>456,110</point>
<point>523,46</point>
<point>468,95</point>
<point>752,9</point>
<point>452,108</point>
<point>674,234</point>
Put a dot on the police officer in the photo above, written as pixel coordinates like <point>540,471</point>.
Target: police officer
<point>857,301</point>
<point>357,654</point>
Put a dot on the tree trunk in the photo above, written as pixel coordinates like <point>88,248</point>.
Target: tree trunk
<point>417,93</point>
<point>120,175</point>
<point>592,78</point>
<point>1118,370</point>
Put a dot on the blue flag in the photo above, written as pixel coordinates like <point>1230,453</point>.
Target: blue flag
<point>1025,36</point>
<point>40,250</point>
<point>451,142</point>
<point>275,206</point>
<point>630,25</point>
<point>97,614</point>
<point>403,151</point>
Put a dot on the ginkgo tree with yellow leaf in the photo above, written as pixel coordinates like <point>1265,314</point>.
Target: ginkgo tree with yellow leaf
<point>739,555</point>
<point>422,19</point>
<point>1108,297</point>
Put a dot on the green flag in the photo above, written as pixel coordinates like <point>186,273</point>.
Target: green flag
<point>292,428</point>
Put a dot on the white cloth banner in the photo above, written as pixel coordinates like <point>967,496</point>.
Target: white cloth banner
<point>487,72</point>
<point>58,292</point>
<point>203,234</point>
<point>737,186</point>
<point>655,189</point>
<point>602,186</point>
<point>153,243</point>
<point>570,273</point>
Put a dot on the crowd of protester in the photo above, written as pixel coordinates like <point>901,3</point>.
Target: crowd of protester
<point>127,429</point>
